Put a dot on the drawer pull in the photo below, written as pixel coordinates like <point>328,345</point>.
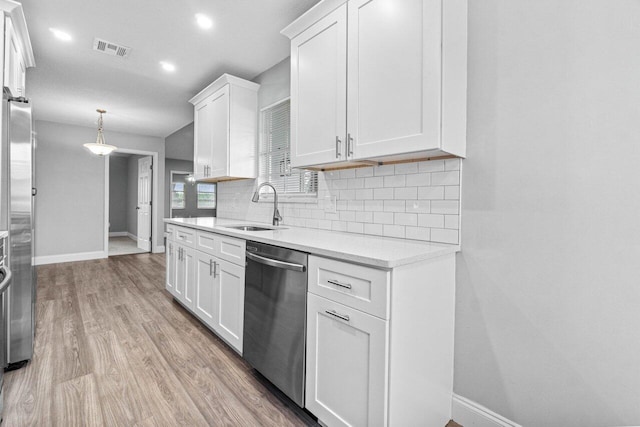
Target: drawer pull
<point>342,285</point>
<point>339,316</point>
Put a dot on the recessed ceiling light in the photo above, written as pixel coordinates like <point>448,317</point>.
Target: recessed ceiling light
<point>167,66</point>
<point>204,21</point>
<point>60,34</point>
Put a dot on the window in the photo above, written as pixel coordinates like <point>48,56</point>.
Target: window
<point>177,195</point>
<point>275,158</point>
<point>206,196</point>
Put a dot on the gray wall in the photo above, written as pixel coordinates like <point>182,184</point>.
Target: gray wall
<point>275,83</point>
<point>179,145</point>
<point>70,205</point>
<point>132,194</point>
<point>548,292</point>
<point>118,184</point>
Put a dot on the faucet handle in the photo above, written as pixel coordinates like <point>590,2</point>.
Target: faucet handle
<point>276,217</point>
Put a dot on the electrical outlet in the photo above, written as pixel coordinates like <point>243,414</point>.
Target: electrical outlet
<point>330,203</point>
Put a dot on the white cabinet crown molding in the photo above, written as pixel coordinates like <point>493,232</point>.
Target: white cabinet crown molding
<point>221,82</point>
<point>317,12</point>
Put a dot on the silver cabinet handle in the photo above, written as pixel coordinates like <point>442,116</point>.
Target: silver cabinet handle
<point>339,316</point>
<point>215,269</point>
<point>180,256</point>
<point>349,145</point>
<point>170,250</point>
<point>276,263</point>
<point>338,147</point>
<point>210,267</point>
<point>342,285</point>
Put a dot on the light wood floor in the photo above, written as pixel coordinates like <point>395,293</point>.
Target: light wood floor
<point>113,348</point>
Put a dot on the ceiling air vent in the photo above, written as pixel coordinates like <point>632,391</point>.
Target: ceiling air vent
<point>111,48</point>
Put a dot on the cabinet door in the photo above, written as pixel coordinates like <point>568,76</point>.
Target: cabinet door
<point>394,76</point>
<point>230,319</point>
<point>346,359</point>
<point>318,91</point>
<point>205,289</point>
<point>203,148</point>
<point>185,282</point>
<point>170,261</point>
<point>219,117</point>
<point>11,59</point>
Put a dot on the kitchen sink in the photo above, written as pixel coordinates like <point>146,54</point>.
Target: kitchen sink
<point>250,227</point>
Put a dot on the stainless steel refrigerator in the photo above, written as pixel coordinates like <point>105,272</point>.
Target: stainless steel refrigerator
<point>16,207</point>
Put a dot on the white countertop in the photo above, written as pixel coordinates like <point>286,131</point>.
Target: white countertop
<point>383,252</point>
<point>3,234</point>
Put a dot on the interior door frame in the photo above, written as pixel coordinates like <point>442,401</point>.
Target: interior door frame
<point>155,195</point>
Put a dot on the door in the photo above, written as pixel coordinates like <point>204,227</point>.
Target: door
<point>230,312</point>
<point>319,90</point>
<point>394,76</point>
<point>144,203</point>
<point>206,297</point>
<point>345,364</point>
<point>219,117</point>
<point>203,148</point>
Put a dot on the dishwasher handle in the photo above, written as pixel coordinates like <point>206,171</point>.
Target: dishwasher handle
<point>276,263</point>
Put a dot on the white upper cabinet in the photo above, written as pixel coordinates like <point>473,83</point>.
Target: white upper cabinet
<point>18,54</point>
<point>225,116</point>
<point>378,80</point>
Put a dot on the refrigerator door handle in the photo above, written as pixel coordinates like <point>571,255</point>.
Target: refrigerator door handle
<point>34,191</point>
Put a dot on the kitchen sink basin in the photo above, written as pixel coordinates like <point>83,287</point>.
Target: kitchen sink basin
<point>250,227</point>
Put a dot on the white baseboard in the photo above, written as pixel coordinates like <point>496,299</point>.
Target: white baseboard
<point>132,236</point>
<point>159,250</point>
<point>82,256</point>
<point>471,414</point>
<point>118,234</point>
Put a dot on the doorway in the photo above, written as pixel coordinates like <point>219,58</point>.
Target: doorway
<point>129,210</point>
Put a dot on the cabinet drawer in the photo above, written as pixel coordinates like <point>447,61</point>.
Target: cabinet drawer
<point>170,231</point>
<point>356,286</point>
<point>186,236</point>
<point>207,242</point>
<point>231,249</point>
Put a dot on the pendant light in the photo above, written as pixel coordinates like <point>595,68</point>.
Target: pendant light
<point>99,147</point>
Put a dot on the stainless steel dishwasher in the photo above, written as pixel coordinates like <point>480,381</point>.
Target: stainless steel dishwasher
<point>275,305</point>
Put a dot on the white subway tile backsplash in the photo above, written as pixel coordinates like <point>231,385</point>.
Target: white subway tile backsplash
<point>394,205</point>
<point>445,178</point>
<point>405,218</point>
<point>374,205</point>
<point>418,180</point>
<point>431,220</point>
<point>449,207</point>
<point>418,206</point>
<point>364,172</point>
<point>394,181</point>
<point>393,231</point>
<point>373,229</point>
<point>452,192</point>
<point>444,236</point>
<point>431,166</point>
<point>405,193</point>
<point>417,201</point>
<point>374,182</point>
<point>431,193</point>
<point>383,193</point>
<point>384,170</point>
<point>383,217</point>
<point>405,168</point>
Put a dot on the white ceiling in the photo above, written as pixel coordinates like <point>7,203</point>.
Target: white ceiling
<point>71,80</point>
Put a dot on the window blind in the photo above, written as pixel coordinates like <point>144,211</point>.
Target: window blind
<point>275,154</point>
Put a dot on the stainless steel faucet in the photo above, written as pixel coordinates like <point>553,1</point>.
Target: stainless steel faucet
<point>256,196</point>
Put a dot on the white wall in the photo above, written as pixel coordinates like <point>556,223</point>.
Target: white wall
<point>70,205</point>
<point>548,281</point>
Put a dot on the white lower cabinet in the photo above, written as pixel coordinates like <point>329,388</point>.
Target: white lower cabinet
<point>230,296</point>
<point>346,361</point>
<point>211,287</point>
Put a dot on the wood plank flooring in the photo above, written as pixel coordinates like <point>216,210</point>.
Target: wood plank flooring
<point>113,348</point>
